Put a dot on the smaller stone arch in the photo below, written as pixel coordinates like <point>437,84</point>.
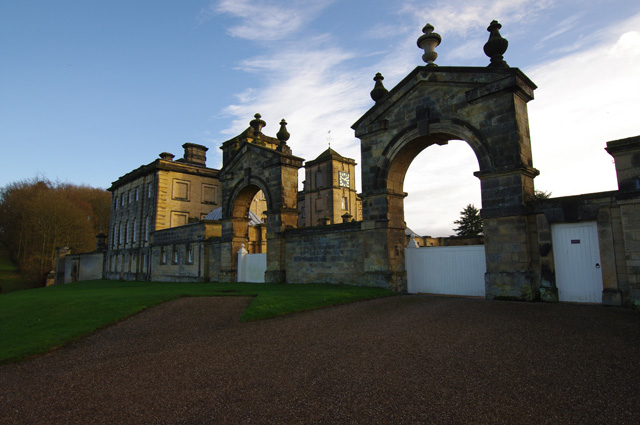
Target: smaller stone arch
<point>253,162</point>
<point>243,193</point>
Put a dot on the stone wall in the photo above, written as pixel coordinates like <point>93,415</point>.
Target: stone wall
<point>77,267</point>
<point>325,254</point>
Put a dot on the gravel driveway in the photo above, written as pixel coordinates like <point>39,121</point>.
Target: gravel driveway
<point>399,360</point>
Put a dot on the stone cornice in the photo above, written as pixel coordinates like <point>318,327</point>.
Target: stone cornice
<point>160,164</point>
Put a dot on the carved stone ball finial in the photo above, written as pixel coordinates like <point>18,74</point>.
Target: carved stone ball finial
<point>283,135</point>
<point>257,124</point>
<point>496,46</point>
<point>379,91</point>
<point>428,42</point>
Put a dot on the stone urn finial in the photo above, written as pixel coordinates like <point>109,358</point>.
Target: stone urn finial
<point>496,46</point>
<point>283,135</point>
<point>257,124</point>
<point>428,42</point>
<point>379,91</point>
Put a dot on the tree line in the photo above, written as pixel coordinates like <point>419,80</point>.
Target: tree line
<point>37,216</point>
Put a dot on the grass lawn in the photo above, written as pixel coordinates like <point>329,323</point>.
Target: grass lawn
<point>37,320</point>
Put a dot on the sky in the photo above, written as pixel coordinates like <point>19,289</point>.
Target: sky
<point>90,90</point>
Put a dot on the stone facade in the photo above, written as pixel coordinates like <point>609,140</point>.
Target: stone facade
<point>160,195</point>
<point>181,253</point>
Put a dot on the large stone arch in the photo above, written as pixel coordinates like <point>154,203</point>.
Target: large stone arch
<point>402,150</point>
<point>486,107</point>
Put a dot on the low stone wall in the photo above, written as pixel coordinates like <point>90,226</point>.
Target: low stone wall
<point>325,254</point>
<point>77,267</point>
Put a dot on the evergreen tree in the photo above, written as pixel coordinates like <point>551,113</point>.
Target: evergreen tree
<point>541,194</point>
<point>470,223</point>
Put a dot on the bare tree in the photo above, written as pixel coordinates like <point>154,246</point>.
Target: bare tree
<point>38,216</point>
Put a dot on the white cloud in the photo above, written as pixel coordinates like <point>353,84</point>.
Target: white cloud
<point>315,89</point>
<point>584,100</point>
<point>459,17</point>
<point>268,20</point>
<point>384,31</point>
<point>561,28</point>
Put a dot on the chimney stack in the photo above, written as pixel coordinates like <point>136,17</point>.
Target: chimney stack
<point>195,154</point>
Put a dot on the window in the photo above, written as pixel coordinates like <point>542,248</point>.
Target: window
<point>122,199</point>
<point>303,212</point>
<point>144,262</point>
<point>209,194</point>
<point>126,225</point>
<point>147,229</point>
<point>189,254</point>
<point>121,234</point>
<point>163,255</point>
<point>114,240</point>
<point>129,196</point>
<point>149,191</point>
<point>137,193</point>
<point>175,255</point>
<point>181,189</point>
<point>135,231</point>
<point>345,203</point>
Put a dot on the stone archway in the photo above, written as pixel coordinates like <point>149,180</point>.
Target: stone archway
<point>486,107</point>
<point>254,162</point>
<point>245,230</point>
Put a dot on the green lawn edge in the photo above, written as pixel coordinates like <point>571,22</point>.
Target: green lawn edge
<point>36,321</point>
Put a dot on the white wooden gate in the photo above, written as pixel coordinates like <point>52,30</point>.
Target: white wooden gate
<point>251,267</point>
<point>450,270</point>
<point>576,255</point>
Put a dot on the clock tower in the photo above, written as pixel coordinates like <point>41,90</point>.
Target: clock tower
<point>329,190</point>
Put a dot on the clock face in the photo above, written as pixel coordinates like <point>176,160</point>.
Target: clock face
<point>343,179</point>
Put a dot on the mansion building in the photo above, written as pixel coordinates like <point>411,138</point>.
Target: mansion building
<point>168,193</point>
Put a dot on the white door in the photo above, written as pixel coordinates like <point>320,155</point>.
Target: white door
<point>576,255</point>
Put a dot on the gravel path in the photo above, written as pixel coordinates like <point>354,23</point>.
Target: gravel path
<point>400,360</point>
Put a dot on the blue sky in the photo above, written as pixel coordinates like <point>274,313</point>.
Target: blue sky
<point>90,90</point>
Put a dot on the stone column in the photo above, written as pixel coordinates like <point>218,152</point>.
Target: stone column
<point>277,223</point>
<point>383,241</point>
<point>507,234</point>
<point>234,234</point>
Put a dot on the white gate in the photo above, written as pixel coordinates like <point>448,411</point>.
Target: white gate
<point>576,255</point>
<point>251,267</point>
<point>450,270</point>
